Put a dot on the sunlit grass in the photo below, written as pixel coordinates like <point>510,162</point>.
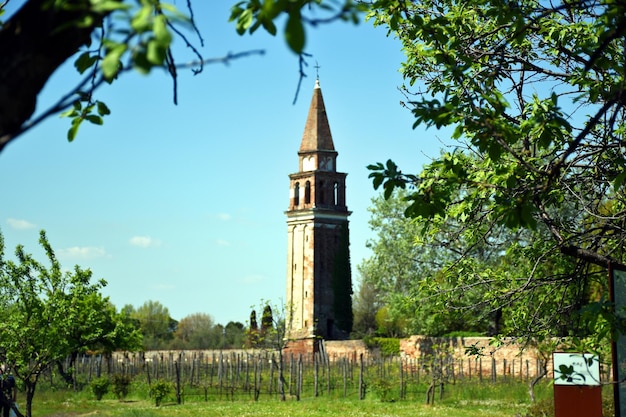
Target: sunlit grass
<point>504,399</point>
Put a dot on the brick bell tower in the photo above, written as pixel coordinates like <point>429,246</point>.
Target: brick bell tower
<point>319,285</point>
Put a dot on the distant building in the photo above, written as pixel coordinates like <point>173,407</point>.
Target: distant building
<point>319,285</point>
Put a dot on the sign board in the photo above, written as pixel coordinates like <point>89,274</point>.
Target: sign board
<point>576,369</point>
<point>577,390</point>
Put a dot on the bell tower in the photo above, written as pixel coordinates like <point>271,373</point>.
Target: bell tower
<point>319,285</point>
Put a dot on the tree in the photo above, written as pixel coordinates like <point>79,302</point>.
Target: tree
<point>235,335</point>
<point>367,301</point>
<point>50,314</point>
<point>115,331</point>
<point>267,320</point>
<point>534,95</point>
<point>408,269</point>
<point>108,37</point>
<point>444,280</point>
<point>155,324</point>
<point>253,330</point>
<point>193,332</point>
<point>273,336</point>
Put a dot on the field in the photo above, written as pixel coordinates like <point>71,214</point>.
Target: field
<point>472,399</point>
<point>248,385</point>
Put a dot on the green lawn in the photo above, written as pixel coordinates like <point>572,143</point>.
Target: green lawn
<point>306,408</point>
<point>461,400</point>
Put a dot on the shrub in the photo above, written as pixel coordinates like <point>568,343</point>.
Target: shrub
<point>121,385</point>
<point>388,346</point>
<point>385,390</point>
<point>159,390</point>
<point>543,408</point>
<point>100,387</point>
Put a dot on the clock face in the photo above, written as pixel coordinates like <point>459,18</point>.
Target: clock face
<point>308,163</point>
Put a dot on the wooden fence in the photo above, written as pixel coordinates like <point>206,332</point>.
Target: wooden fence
<point>202,375</point>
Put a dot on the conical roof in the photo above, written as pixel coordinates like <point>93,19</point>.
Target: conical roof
<point>317,136</point>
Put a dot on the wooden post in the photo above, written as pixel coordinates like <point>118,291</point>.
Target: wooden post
<point>328,376</point>
<point>361,382</point>
<point>345,377</point>
<point>178,397</point>
<point>401,380</point>
<point>315,374</point>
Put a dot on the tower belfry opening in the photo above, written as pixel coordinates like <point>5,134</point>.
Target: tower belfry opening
<point>319,284</point>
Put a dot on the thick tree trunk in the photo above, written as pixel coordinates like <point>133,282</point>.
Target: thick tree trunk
<point>33,44</point>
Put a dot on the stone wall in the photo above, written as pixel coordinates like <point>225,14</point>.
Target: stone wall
<point>510,359</point>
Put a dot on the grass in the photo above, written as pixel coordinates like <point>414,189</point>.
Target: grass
<point>306,408</point>
<point>504,399</point>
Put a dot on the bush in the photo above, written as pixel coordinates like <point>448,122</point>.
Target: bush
<point>159,390</point>
<point>385,390</point>
<point>121,385</point>
<point>100,387</point>
<point>388,346</point>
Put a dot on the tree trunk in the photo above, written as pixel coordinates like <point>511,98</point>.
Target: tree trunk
<point>542,371</point>
<point>30,393</point>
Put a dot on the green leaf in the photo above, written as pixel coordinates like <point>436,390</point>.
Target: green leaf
<point>73,130</point>
<point>155,52</point>
<point>111,63</point>
<point>269,26</point>
<point>97,120</point>
<point>85,61</point>
<point>294,33</point>
<point>103,110</point>
<point>142,21</point>
<point>161,32</point>
<point>103,6</point>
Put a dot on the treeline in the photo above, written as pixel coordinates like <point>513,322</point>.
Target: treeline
<point>159,331</point>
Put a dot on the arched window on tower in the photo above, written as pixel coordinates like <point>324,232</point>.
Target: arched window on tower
<point>307,193</point>
<point>296,194</point>
<point>321,193</point>
<point>335,194</point>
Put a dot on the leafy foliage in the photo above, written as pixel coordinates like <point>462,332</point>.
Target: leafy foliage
<point>533,95</point>
<point>159,390</point>
<point>100,387</point>
<point>250,15</point>
<point>121,385</point>
<point>109,37</point>
<point>51,314</point>
<point>155,323</point>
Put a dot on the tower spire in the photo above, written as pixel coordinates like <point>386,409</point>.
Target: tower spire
<point>317,136</point>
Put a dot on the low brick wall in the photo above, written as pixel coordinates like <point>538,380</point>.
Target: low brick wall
<point>510,359</point>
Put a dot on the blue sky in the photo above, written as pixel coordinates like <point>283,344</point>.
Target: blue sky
<point>185,204</point>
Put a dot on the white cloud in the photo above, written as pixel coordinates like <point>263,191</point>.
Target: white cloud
<point>20,224</point>
<point>224,216</point>
<point>144,242</point>
<point>85,252</point>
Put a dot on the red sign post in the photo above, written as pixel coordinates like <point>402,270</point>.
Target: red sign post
<point>577,390</point>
